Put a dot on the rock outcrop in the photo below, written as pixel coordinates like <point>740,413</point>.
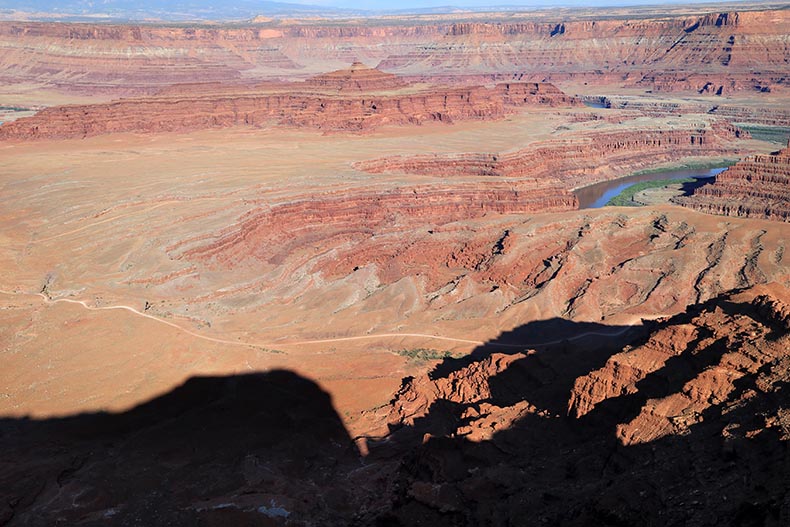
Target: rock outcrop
<point>699,52</point>
<point>287,104</point>
<point>700,354</point>
<point>584,159</point>
<point>274,233</point>
<point>357,78</point>
<point>772,116</point>
<point>757,187</point>
<point>689,423</point>
<point>354,254</point>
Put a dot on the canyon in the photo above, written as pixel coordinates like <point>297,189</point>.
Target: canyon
<point>757,187</point>
<point>285,105</point>
<point>329,271</point>
<point>577,161</point>
<point>715,52</point>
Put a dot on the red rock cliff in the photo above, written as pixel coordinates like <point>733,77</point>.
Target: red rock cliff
<point>728,50</point>
<point>583,160</point>
<point>297,107</point>
<point>757,187</point>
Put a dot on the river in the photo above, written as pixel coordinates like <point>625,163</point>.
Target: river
<point>598,195</point>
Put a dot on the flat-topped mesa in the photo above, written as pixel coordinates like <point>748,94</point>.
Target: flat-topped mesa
<point>736,113</point>
<point>357,78</point>
<point>286,104</point>
<point>709,52</point>
<point>757,187</point>
<point>585,159</point>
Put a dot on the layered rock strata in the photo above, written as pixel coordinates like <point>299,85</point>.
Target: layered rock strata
<point>357,78</point>
<point>689,423</point>
<point>773,116</point>
<point>695,51</point>
<point>354,254</point>
<point>295,108</point>
<point>585,159</point>
<point>273,233</point>
<point>757,187</point>
<point>709,52</point>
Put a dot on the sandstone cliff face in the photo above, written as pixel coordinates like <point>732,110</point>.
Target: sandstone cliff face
<point>297,107</point>
<point>357,78</point>
<point>274,233</point>
<point>774,116</point>
<point>583,160</point>
<point>700,398</point>
<point>757,187</point>
<point>702,53</point>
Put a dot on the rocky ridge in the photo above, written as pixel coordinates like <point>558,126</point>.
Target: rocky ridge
<point>700,397</point>
<point>273,233</point>
<point>585,159</point>
<point>292,105</point>
<point>774,116</point>
<point>756,187</point>
<point>718,52</point>
<point>353,256</point>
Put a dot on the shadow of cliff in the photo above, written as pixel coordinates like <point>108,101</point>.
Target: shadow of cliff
<point>690,187</point>
<point>546,467</point>
<point>270,449</point>
<point>243,450</point>
<point>559,351</point>
<point>552,354</point>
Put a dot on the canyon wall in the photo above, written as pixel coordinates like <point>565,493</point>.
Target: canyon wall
<point>769,115</point>
<point>757,187</point>
<point>279,232</point>
<point>583,160</point>
<point>715,53</point>
<point>287,105</point>
<point>700,398</point>
<point>454,258</point>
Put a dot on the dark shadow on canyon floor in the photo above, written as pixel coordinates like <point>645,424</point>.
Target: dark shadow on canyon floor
<point>560,350</point>
<point>182,458</point>
<point>269,449</point>
<point>689,187</point>
<point>548,467</point>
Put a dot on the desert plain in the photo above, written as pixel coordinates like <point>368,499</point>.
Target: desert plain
<point>254,266</point>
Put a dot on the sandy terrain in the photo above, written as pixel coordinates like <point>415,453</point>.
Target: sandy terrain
<point>371,280</point>
<point>95,226</point>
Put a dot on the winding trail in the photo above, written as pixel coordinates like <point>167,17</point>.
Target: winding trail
<point>50,301</point>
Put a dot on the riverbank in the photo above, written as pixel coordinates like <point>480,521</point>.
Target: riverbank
<point>609,192</point>
<point>626,197</point>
